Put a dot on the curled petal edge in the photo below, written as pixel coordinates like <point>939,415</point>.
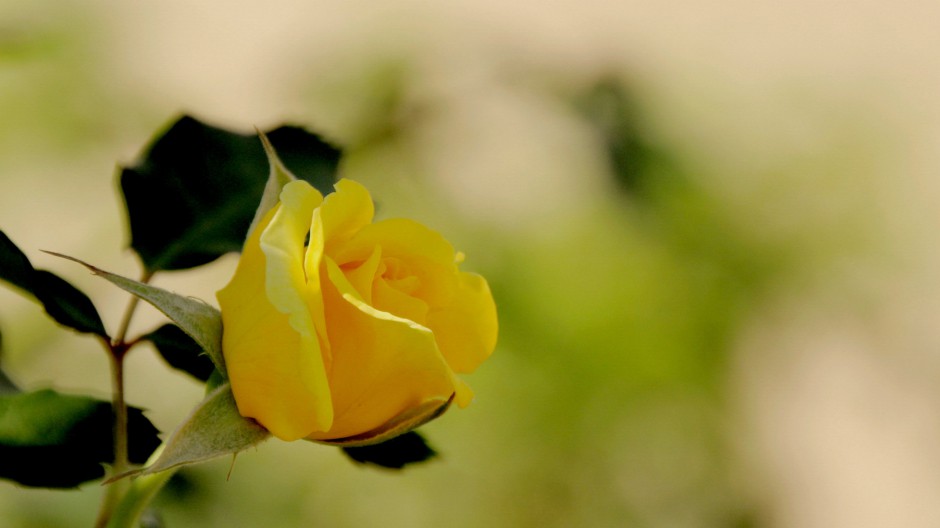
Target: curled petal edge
<point>406,421</point>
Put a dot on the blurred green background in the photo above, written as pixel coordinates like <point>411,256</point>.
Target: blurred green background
<point>710,231</point>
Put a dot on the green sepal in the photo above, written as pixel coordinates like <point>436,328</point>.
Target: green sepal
<point>65,303</point>
<point>214,429</point>
<point>199,320</point>
<point>394,444</point>
<point>404,422</point>
<point>53,440</point>
<point>278,177</point>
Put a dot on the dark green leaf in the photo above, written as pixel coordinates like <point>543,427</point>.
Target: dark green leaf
<point>193,195</point>
<point>202,322</point>
<point>214,429</point>
<point>63,302</point>
<point>66,304</point>
<point>181,351</point>
<point>15,267</point>
<point>142,436</point>
<point>396,453</point>
<point>54,440</point>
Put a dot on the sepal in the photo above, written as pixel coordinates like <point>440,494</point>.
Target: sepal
<point>214,429</point>
<point>199,320</point>
<point>278,177</point>
<point>408,420</point>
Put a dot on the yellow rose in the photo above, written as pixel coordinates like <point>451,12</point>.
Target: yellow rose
<point>342,330</point>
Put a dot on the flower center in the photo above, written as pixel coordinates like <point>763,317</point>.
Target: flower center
<point>393,291</point>
<point>398,276</point>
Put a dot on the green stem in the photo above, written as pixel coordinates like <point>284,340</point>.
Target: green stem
<point>139,494</point>
<point>117,349</point>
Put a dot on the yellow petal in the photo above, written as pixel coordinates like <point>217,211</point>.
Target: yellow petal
<point>400,238</point>
<point>345,212</point>
<point>341,214</point>
<point>466,328</point>
<point>382,365</point>
<point>464,394</point>
<point>269,340</point>
<point>313,257</point>
<point>282,242</point>
<point>389,299</point>
<point>361,276</point>
<point>421,252</point>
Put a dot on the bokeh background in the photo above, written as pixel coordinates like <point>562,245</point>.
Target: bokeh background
<point>711,230</point>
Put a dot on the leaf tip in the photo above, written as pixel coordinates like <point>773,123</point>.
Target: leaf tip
<point>91,268</point>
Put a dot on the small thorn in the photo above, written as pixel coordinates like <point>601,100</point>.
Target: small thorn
<point>231,468</point>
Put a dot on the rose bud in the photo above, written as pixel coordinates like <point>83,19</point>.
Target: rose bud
<point>341,330</point>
